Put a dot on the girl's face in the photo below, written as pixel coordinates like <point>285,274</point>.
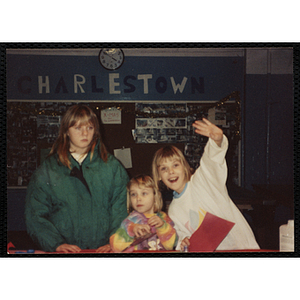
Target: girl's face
<point>142,199</point>
<point>171,172</point>
<point>80,137</point>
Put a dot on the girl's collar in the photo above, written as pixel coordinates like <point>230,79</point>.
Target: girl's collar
<point>79,157</point>
<point>176,195</point>
<point>149,215</point>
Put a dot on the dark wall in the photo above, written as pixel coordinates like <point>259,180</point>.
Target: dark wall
<point>268,130</point>
<point>15,209</point>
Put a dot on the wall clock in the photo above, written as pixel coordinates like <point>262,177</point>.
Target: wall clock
<point>111,58</point>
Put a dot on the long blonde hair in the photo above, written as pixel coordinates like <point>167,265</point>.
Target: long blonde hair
<point>147,182</point>
<point>84,115</point>
<point>169,152</point>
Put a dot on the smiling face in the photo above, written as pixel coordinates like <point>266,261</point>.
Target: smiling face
<point>172,173</point>
<point>80,136</point>
<point>142,198</point>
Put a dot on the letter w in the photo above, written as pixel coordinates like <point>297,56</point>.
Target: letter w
<point>178,85</point>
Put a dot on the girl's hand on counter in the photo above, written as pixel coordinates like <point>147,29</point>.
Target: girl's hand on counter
<point>104,249</point>
<point>185,242</point>
<point>66,248</point>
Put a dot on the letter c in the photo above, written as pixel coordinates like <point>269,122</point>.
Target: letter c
<point>20,85</point>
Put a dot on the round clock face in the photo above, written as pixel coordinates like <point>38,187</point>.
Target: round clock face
<point>111,58</point>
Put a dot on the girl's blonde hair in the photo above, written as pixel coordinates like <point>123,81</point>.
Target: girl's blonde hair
<point>144,181</point>
<point>172,153</point>
<point>84,115</point>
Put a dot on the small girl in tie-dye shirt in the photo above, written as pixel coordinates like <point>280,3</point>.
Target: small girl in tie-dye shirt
<point>145,203</point>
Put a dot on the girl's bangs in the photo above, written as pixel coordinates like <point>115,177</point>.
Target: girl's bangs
<point>167,155</point>
<point>142,182</point>
<point>83,119</point>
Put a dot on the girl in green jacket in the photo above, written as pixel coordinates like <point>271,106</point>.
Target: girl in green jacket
<point>76,199</point>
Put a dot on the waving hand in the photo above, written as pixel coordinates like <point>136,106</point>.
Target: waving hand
<point>206,128</point>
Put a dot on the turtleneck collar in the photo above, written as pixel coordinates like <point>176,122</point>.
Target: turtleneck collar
<point>176,195</point>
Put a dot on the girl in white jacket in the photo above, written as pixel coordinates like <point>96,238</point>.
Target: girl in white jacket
<point>204,191</point>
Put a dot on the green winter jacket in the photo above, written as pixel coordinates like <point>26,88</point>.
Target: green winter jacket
<point>62,208</point>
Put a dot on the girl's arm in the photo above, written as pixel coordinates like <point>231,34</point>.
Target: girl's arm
<point>124,235</point>
<point>167,233</point>
<point>120,240</point>
<point>213,168</point>
<point>118,199</point>
<point>213,162</point>
<point>37,211</point>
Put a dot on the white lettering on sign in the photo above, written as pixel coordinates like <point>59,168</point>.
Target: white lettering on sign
<point>113,84</point>
<point>178,86</point>
<point>161,84</point>
<point>44,84</point>
<point>111,116</point>
<point>145,77</point>
<point>78,83</point>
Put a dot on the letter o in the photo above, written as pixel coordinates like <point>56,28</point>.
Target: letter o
<point>161,84</point>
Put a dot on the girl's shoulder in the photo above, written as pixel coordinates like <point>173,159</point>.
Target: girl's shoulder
<point>47,163</point>
<point>44,171</point>
<point>111,162</point>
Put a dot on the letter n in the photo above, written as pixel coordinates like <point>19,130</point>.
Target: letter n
<point>199,86</point>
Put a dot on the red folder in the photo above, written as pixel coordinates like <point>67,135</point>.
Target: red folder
<point>210,233</point>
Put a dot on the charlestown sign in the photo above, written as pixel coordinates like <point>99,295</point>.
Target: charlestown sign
<point>68,75</point>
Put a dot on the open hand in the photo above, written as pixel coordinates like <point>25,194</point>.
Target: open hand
<point>206,128</point>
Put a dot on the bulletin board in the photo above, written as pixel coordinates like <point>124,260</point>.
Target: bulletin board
<point>140,128</point>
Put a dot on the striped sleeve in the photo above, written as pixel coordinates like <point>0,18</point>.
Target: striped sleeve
<point>167,233</point>
<point>124,235</point>
<point>120,240</point>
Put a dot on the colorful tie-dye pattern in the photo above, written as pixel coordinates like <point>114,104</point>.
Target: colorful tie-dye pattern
<point>165,238</point>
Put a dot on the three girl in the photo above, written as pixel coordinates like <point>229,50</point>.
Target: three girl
<point>68,210</point>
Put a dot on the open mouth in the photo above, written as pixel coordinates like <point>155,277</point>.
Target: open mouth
<point>173,180</point>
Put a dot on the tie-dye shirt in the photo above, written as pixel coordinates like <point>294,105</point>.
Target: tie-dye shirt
<point>165,238</point>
